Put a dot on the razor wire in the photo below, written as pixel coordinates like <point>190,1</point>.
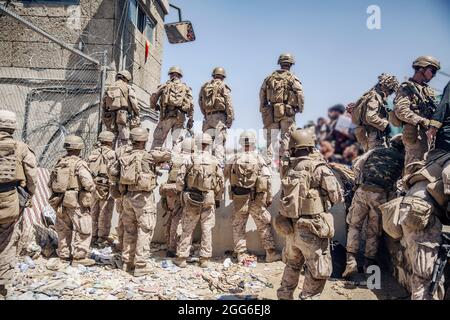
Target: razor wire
<point>53,89</point>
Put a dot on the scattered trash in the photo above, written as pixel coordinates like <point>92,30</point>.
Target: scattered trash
<point>23,267</point>
<point>166,264</point>
<point>103,256</point>
<point>227,263</point>
<point>250,261</point>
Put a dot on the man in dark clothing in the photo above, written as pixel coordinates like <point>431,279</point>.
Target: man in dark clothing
<point>440,122</point>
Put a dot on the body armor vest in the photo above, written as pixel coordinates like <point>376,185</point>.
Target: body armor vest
<point>383,168</point>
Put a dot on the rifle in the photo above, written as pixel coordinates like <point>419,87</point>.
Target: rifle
<point>24,197</point>
<point>440,263</point>
<point>425,108</point>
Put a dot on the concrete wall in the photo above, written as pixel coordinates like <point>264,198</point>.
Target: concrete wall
<point>222,232</point>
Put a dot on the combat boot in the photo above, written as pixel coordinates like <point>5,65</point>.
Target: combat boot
<point>139,272</point>
<point>3,291</point>
<point>170,254</point>
<point>369,262</point>
<point>83,262</point>
<point>127,267</point>
<point>180,262</point>
<point>204,262</point>
<point>272,256</point>
<point>351,266</point>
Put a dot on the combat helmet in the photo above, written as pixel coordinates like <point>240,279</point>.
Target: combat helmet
<point>139,135</point>
<point>203,138</point>
<point>247,138</point>
<point>73,142</point>
<point>389,81</point>
<point>125,74</point>
<point>106,136</point>
<point>8,120</point>
<point>219,71</point>
<point>426,61</point>
<point>302,138</point>
<point>175,69</point>
<point>286,58</point>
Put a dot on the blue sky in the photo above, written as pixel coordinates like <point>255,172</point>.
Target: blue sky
<point>338,57</point>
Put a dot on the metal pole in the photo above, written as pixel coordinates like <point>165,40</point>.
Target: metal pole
<point>102,90</point>
<point>179,11</point>
<point>45,34</point>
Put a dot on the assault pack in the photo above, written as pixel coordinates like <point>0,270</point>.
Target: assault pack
<point>63,177</point>
<point>212,96</point>
<point>132,173</point>
<point>116,96</point>
<point>201,174</point>
<point>173,94</point>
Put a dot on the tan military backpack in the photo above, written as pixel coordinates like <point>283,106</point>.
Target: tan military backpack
<point>8,161</point>
<point>277,87</point>
<point>244,172</point>
<point>98,163</point>
<point>358,111</point>
<point>63,176</point>
<point>173,94</point>
<point>211,94</point>
<point>116,97</point>
<point>201,174</point>
<point>132,173</point>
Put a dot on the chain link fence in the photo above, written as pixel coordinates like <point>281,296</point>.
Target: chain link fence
<point>55,90</point>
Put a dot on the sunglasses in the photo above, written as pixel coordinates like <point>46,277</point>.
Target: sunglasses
<point>433,71</point>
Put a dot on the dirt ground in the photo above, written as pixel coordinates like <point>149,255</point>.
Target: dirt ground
<point>39,280</point>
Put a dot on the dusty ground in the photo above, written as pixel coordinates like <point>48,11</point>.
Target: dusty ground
<point>35,281</point>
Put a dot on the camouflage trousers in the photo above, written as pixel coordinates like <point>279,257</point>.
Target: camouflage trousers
<point>120,229</point>
<point>9,238</point>
<point>415,151</point>
<point>102,211</point>
<point>285,127</point>
<point>175,125</point>
<point>122,135</point>
<point>215,126</point>
<point>192,214</point>
<point>173,224</point>
<point>421,252</point>
<point>74,228</point>
<point>139,220</point>
<point>305,248</point>
<point>364,206</point>
<point>244,206</point>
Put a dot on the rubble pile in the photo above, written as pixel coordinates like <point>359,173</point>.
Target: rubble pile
<point>48,279</point>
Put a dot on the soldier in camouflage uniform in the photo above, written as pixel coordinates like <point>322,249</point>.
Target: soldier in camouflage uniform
<point>175,104</point>
<point>281,98</point>
<point>421,213</point>
<point>251,191</point>
<point>72,185</point>
<point>171,197</point>
<point>120,108</point>
<point>370,114</point>
<point>17,170</point>
<point>117,193</point>
<point>136,170</point>
<point>99,161</point>
<point>217,109</point>
<point>414,107</point>
<point>376,174</point>
<point>201,181</point>
<point>308,190</point>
